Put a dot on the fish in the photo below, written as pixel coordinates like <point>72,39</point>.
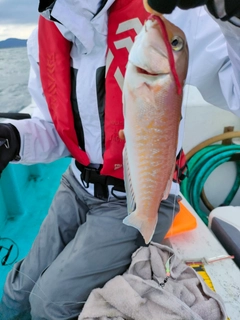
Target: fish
<point>152,98</point>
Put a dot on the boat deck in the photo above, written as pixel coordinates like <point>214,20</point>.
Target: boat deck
<point>224,274</point>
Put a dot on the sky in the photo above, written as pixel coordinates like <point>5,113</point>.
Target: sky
<point>17,18</point>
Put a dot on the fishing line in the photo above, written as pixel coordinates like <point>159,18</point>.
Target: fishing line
<point>168,263</point>
<point>184,107</point>
<point>186,92</point>
<point>184,104</point>
<point>61,303</point>
<point>179,92</point>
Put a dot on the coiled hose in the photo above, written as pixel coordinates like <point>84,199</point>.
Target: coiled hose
<point>202,161</point>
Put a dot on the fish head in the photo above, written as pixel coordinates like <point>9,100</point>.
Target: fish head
<point>150,54</point>
<point>179,48</point>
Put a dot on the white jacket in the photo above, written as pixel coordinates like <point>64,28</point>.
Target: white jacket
<point>214,68</point>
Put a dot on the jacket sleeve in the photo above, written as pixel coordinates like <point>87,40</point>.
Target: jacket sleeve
<point>214,66</point>
<point>229,75</point>
<point>40,142</point>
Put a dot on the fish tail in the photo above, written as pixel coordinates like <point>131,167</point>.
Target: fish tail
<point>145,226</point>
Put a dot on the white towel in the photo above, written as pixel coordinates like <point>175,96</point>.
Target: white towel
<point>138,295</point>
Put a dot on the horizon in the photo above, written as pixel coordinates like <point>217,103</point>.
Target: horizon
<point>18,31</point>
<point>13,43</point>
<point>13,38</point>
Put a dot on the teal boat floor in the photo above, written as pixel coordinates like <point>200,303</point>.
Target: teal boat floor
<point>26,193</point>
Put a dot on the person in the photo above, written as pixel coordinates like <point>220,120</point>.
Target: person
<point>87,243</point>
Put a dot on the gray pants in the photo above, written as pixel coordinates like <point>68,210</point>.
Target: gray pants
<point>82,244</point>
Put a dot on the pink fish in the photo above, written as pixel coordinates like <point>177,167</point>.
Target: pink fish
<point>152,98</point>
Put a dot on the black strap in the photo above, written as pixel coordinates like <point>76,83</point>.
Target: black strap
<point>92,175</point>
<point>101,191</point>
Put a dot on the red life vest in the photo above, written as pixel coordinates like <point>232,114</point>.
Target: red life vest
<point>54,59</point>
<point>54,63</point>
<point>125,20</point>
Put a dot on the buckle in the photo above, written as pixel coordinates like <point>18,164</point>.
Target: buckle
<point>119,190</point>
<point>86,174</point>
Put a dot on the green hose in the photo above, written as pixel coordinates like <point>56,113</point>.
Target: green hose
<point>200,166</point>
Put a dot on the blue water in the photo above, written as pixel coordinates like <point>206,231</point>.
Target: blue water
<point>26,193</point>
<point>14,71</point>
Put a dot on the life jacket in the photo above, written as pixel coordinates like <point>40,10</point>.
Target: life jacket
<point>54,60</point>
<point>125,20</point>
<point>54,64</point>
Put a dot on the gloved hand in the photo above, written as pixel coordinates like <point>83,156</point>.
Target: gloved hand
<point>220,9</point>
<point>226,10</point>
<point>9,144</point>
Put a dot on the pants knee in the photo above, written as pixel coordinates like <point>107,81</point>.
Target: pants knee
<point>36,305</point>
<point>41,303</point>
<point>47,304</point>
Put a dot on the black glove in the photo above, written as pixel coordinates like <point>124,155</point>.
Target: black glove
<point>226,10</point>
<point>45,4</point>
<point>167,6</point>
<point>220,9</point>
<point>9,144</point>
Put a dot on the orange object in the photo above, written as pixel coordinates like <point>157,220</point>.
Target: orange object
<point>184,221</point>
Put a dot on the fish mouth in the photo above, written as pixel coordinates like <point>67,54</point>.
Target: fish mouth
<point>149,72</point>
<point>143,71</point>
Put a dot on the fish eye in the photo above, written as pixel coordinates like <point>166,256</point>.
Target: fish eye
<point>177,43</point>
